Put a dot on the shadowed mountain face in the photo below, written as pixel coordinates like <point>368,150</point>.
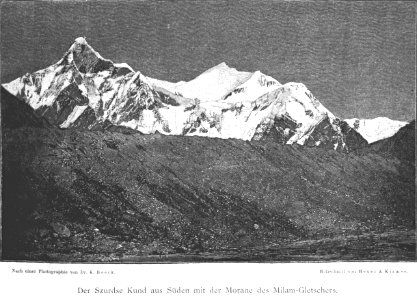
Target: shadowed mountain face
<point>401,145</point>
<point>99,195</point>
<point>16,113</point>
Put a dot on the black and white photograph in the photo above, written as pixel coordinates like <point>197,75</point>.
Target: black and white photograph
<point>201,132</point>
<point>246,131</point>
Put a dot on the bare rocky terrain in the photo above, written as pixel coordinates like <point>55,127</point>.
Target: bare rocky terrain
<point>114,195</point>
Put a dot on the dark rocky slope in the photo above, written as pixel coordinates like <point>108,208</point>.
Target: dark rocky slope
<point>16,113</point>
<point>401,145</point>
<point>101,195</point>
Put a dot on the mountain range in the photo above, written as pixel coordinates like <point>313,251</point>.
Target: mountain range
<point>101,163</point>
<point>84,90</point>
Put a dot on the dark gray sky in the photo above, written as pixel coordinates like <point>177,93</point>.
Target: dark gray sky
<point>357,58</point>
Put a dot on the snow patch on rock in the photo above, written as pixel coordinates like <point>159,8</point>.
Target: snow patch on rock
<point>77,111</point>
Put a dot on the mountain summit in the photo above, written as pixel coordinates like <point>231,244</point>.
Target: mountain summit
<point>84,90</point>
<point>87,60</point>
<point>222,77</point>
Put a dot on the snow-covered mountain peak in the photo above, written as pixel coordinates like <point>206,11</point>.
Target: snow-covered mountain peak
<point>81,40</point>
<point>81,45</point>
<point>223,71</point>
<point>221,83</point>
<point>86,60</point>
<point>376,129</point>
<point>252,87</point>
<point>220,66</point>
<point>213,84</point>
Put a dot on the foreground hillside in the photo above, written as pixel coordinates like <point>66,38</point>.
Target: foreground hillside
<point>101,195</point>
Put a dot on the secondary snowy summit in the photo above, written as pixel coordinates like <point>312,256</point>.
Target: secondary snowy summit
<point>376,129</point>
